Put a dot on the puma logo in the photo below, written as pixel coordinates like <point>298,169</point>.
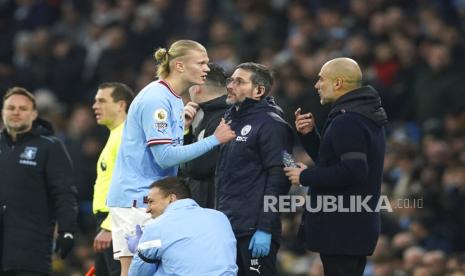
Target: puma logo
<point>255,269</point>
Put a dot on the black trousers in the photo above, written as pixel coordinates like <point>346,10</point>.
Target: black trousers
<point>343,265</point>
<point>105,265</point>
<point>21,273</point>
<point>249,266</point>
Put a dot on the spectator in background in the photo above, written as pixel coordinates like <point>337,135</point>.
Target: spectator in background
<point>152,143</point>
<point>202,116</point>
<point>349,162</point>
<point>438,85</point>
<point>296,94</point>
<point>111,106</point>
<point>305,36</point>
<point>84,141</point>
<point>115,63</point>
<point>250,168</point>
<point>183,238</point>
<point>64,53</point>
<point>36,191</point>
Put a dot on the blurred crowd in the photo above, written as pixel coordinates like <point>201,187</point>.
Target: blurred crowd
<point>412,51</point>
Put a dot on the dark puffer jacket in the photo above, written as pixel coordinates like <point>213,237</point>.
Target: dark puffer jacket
<point>250,167</point>
<point>36,191</point>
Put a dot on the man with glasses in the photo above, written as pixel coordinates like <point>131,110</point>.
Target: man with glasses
<point>250,167</point>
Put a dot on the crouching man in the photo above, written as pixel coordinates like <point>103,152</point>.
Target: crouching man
<point>183,238</point>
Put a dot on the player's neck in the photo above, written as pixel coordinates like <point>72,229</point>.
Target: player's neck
<point>178,85</point>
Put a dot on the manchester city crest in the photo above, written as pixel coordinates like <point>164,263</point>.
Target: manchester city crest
<point>245,130</point>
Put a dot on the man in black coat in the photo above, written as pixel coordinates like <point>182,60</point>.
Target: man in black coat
<point>348,167</point>
<point>35,190</point>
<point>202,116</point>
<point>250,168</point>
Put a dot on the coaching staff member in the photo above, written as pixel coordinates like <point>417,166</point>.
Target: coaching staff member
<point>250,168</point>
<point>35,190</point>
<point>349,162</point>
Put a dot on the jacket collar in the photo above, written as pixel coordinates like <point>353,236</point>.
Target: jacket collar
<point>19,138</point>
<point>251,106</point>
<point>181,204</point>
<point>39,127</point>
<point>364,101</point>
<point>214,104</point>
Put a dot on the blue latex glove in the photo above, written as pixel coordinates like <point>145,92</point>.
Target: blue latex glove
<point>133,241</point>
<point>260,244</point>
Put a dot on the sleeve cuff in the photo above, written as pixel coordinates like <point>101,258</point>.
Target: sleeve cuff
<point>213,140</point>
<point>303,177</point>
<point>106,223</point>
<point>159,141</point>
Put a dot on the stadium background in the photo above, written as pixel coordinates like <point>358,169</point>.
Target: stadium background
<point>412,51</point>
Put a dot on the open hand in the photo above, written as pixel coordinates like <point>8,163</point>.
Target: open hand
<point>102,241</point>
<point>133,241</point>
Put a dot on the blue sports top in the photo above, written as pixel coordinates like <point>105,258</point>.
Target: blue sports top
<point>151,146</point>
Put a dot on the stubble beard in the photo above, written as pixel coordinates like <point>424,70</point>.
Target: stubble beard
<point>16,128</point>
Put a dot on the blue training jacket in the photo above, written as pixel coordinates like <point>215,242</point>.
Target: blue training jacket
<point>186,240</point>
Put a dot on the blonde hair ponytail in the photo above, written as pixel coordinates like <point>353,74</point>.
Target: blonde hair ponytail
<point>177,49</point>
<point>162,59</point>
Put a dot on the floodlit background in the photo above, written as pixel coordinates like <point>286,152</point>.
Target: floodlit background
<point>412,51</point>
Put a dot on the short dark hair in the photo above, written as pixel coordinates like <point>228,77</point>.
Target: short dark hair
<point>216,76</point>
<point>261,75</point>
<point>17,90</point>
<point>121,92</point>
<point>173,185</point>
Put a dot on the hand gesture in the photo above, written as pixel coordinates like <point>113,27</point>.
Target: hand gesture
<point>304,123</point>
<point>294,173</point>
<point>133,241</point>
<point>102,241</point>
<point>224,133</point>
<point>190,110</point>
